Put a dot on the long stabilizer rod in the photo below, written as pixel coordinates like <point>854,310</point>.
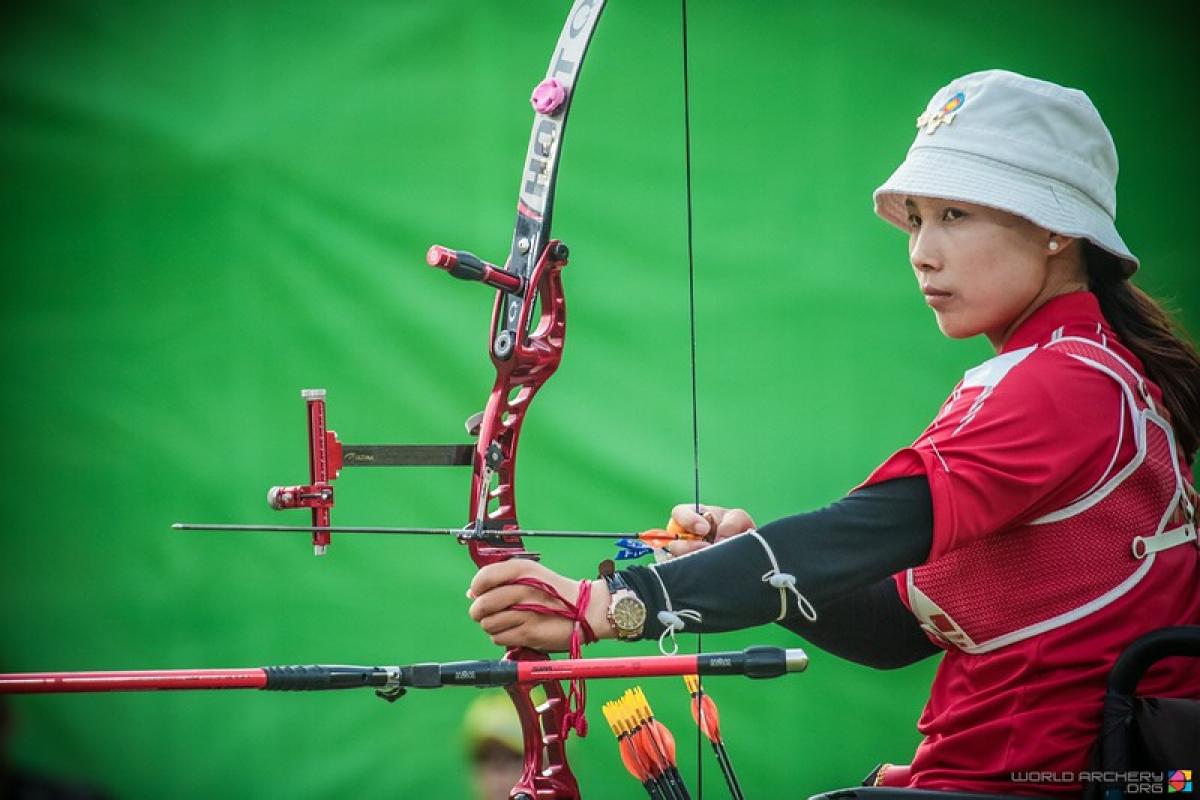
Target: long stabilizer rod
<point>391,682</point>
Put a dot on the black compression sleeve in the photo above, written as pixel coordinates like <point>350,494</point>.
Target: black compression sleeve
<point>840,556</point>
<point>869,627</point>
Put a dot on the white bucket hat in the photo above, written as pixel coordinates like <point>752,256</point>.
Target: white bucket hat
<point>1029,147</point>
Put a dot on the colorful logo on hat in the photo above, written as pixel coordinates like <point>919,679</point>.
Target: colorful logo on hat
<point>1179,781</point>
<point>930,121</point>
<point>953,104</point>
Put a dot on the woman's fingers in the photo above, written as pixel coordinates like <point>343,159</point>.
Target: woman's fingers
<point>692,521</point>
<point>494,594</point>
<point>733,522</point>
<point>539,631</point>
<point>528,629</point>
<point>682,548</point>
<point>505,572</point>
<point>496,600</point>
<point>509,627</point>
<point>729,522</point>
<point>497,624</point>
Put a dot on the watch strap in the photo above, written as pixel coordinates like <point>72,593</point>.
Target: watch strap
<point>612,577</point>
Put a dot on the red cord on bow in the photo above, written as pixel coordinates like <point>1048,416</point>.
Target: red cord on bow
<point>581,634</point>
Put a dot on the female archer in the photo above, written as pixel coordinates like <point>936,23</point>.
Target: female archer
<point>1041,522</point>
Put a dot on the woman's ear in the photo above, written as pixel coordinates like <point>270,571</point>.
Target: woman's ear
<point>1066,257</point>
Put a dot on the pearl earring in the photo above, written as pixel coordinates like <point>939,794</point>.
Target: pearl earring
<point>1053,245</point>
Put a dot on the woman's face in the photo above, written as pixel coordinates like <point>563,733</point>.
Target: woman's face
<point>982,271</point>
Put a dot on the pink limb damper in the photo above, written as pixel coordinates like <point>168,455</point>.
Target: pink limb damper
<point>548,96</point>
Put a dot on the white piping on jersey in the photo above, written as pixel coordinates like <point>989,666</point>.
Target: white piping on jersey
<point>1069,616</point>
<point>974,409</point>
<point>1138,419</point>
<point>985,376</point>
<point>938,453</point>
<point>948,406</point>
<point>1150,546</point>
<point>1116,452</point>
<point>1135,376</point>
<point>1107,486</point>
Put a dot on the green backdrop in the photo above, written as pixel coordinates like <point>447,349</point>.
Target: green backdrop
<point>209,206</point>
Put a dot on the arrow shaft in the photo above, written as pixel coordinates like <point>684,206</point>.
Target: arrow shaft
<point>731,781</point>
<point>466,533</point>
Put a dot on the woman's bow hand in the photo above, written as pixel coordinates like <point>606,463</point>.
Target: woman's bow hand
<point>494,594</point>
<point>725,521</point>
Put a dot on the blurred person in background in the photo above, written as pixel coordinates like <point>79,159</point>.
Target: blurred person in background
<point>494,746</point>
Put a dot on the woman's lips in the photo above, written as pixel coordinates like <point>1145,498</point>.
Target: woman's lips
<point>936,298</point>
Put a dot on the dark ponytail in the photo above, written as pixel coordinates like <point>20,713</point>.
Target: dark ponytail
<point>1169,357</point>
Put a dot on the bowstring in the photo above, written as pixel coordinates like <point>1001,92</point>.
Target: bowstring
<point>687,150</point>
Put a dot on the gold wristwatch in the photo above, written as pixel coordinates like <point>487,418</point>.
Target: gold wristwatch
<point>626,611</point>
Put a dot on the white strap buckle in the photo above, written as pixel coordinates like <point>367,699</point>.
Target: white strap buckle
<point>1145,545</point>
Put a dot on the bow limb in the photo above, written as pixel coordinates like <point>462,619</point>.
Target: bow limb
<point>526,352</point>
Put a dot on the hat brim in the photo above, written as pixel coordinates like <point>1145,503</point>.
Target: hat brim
<point>955,175</point>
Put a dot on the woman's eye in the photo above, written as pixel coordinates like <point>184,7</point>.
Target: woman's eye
<point>951,214</point>
<point>914,221</point>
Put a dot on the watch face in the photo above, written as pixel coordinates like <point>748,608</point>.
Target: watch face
<point>629,614</point>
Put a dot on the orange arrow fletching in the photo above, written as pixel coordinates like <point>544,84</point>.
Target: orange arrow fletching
<point>658,732</point>
<point>677,529</point>
<point>645,747</point>
<point>634,718</point>
<point>657,537</point>
<point>674,532</point>
<point>629,756</point>
<point>710,720</point>
<point>664,739</point>
<point>630,759</point>
<point>704,711</point>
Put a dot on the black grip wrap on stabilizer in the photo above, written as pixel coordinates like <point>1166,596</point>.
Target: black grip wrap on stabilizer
<point>764,662</point>
<point>422,676</point>
<point>467,267</point>
<point>314,678</point>
<point>460,673</point>
<point>753,662</point>
<point>479,673</point>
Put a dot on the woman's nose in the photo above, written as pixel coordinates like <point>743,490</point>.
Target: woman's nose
<point>923,253</point>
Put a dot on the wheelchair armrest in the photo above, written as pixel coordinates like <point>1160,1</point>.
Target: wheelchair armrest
<point>1182,640</point>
